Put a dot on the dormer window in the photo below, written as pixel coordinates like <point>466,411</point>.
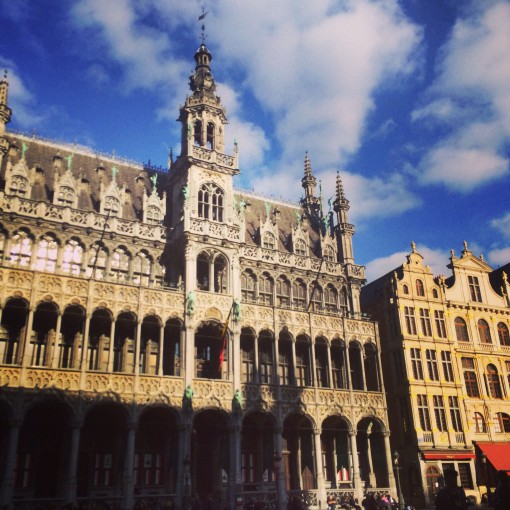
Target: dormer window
<point>65,196</point>
<point>329,254</point>
<point>268,241</point>
<point>18,186</point>
<point>112,206</point>
<point>300,248</point>
<point>210,202</point>
<point>153,215</point>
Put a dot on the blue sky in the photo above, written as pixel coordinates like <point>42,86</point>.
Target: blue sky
<point>409,101</point>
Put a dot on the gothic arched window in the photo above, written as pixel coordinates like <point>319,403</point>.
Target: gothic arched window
<point>112,206</point>
<point>141,269</point>
<point>18,186</point>
<point>72,257</point>
<point>197,139</point>
<point>330,299</point>
<point>46,254</point>
<point>282,291</point>
<point>300,247</point>
<point>299,294</point>
<point>268,241</point>
<point>65,196</point>
<point>248,283</point>
<point>21,249</point>
<point>266,287</point>
<point>329,254</point>
<point>153,215</point>
<point>210,202</point>
<point>316,298</point>
<point>119,264</point>
<point>210,135</point>
<point>97,262</point>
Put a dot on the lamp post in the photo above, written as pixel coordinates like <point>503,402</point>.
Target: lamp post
<point>397,476</point>
<point>483,458</point>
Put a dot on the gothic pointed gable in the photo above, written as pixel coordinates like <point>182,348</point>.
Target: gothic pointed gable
<point>154,208</point>
<point>18,179</point>
<point>65,190</point>
<point>112,199</point>
<point>268,230</point>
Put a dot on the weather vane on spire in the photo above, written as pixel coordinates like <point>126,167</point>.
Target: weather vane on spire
<point>201,18</point>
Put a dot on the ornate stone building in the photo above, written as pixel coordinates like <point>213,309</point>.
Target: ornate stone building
<point>163,334</point>
<point>445,349</point>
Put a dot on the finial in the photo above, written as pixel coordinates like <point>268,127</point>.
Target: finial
<point>505,277</point>
<point>115,171</point>
<point>452,253</point>
<point>413,247</point>
<point>201,18</point>
<point>481,257</point>
<point>465,246</point>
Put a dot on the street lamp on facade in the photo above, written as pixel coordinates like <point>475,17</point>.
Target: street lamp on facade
<point>397,477</point>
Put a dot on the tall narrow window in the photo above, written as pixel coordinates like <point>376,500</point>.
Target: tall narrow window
<point>141,269</point>
<point>453,404</point>
<point>504,337</point>
<point>468,365</point>
<point>316,298</point>
<point>416,363</point>
<point>119,265</point>
<point>299,294</point>
<point>474,289</point>
<point>210,202</point>
<point>21,249</point>
<point>268,241</point>
<point>461,330</point>
<point>330,299</point>
<point>484,332</point>
<point>440,323</point>
<point>210,136</point>
<point>426,328</point>
<point>197,135</point>
<point>282,291</point>
<point>266,290</point>
<point>248,286</point>
<point>329,254</point>
<point>423,412</point>
<point>420,290</point>
<point>46,254</point>
<point>410,320</point>
<point>446,360</point>
<point>72,257</point>
<point>154,215</point>
<point>112,206</point>
<point>479,423</point>
<point>439,413</point>
<point>97,262</point>
<point>493,383</point>
<point>432,365</point>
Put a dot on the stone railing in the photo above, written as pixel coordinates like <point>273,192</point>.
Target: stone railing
<point>211,156</point>
<point>85,219</point>
<point>213,229</point>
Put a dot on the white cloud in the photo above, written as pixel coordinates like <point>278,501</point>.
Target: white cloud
<point>472,95</point>
<point>21,100</point>
<point>503,225</point>
<point>435,259</point>
<point>499,257</point>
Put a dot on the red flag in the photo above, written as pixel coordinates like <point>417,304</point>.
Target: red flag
<point>224,340</point>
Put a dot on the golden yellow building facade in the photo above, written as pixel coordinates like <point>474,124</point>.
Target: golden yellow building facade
<point>446,363</point>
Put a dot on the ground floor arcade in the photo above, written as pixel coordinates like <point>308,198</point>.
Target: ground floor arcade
<point>57,448</point>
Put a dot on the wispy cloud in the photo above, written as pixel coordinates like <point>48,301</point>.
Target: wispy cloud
<point>471,96</point>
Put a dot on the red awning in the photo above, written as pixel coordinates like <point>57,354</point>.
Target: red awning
<point>448,455</point>
<point>498,454</point>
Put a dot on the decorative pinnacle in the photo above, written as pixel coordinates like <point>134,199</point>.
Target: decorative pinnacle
<point>308,167</point>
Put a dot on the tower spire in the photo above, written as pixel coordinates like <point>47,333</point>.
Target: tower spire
<point>344,228</point>
<point>310,201</point>
<point>5,114</point>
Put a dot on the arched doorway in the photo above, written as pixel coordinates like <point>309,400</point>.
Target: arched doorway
<point>211,351</point>
<point>257,452</point>
<point>210,456</point>
<point>336,452</point>
<point>14,319</point>
<point>372,453</point>
<point>99,339</point>
<point>298,453</point>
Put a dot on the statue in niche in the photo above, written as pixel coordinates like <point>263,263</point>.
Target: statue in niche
<point>238,400</point>
<point>187,401</point>
<point>185,192</point>
<point>24,149</point>
<point>236,310</point>
<point>190,303</point>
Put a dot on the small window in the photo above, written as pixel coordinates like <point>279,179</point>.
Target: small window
<point>420,290</point>
<point>300,248</point>
<point>112,206</point>
<point>484,332</point>
<point>435,294</point>
<point>18,186</point>
<point>329,254</point>
<point>405,289</point>
<point>504,337</point>
<point>461,330</point>
<point>479,423</point>
<point>474,289</point>
<point>268,241</point>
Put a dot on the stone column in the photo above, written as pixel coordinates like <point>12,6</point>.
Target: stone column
<point>161,348</point>
<point>389,465</point>
<point>256,359</point>
<point>362,363</point>
<point>358,489</point>
<point>72,462</point>
<point>183,482</point>
<point>112,342</point>
<point>293,380</point>
<point>138,343</point>
<point>129,467</point>
<point>234,475</point>
<point>84,365</point>
<point>7,485</point>
<point>25,352</point>
<point>319,468</point>
<point>371,474</point>
<point>330,368</point>
<point>280,479</point>
<point>347,366</point>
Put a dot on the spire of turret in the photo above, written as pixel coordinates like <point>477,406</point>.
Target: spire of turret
<point>345,229</point>
<point>310,201</point>
<point>5,113</point>
<point>340,203</point>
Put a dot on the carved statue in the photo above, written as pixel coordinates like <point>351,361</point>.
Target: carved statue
<point>190,303</point>
<point>268,209</point>
<point>190,130</point>
<point>299,218</point>
<point>185,192</point>
<point>188,398</point>
<point>236,312</point>
<point>413,246</point>
<point>154,180</point>
<point>238,400</point>
<point>24,149</point>
<point>115,171</point>
<point>69,160</point>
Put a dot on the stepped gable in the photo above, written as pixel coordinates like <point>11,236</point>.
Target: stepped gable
<point>84,169</point>
<point>286,222</point>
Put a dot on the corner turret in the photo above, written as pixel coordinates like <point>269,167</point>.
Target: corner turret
<point>345,229</point>
<point>310,202</point>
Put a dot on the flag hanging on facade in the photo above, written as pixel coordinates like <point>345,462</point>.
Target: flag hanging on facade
<point>221,358</point>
